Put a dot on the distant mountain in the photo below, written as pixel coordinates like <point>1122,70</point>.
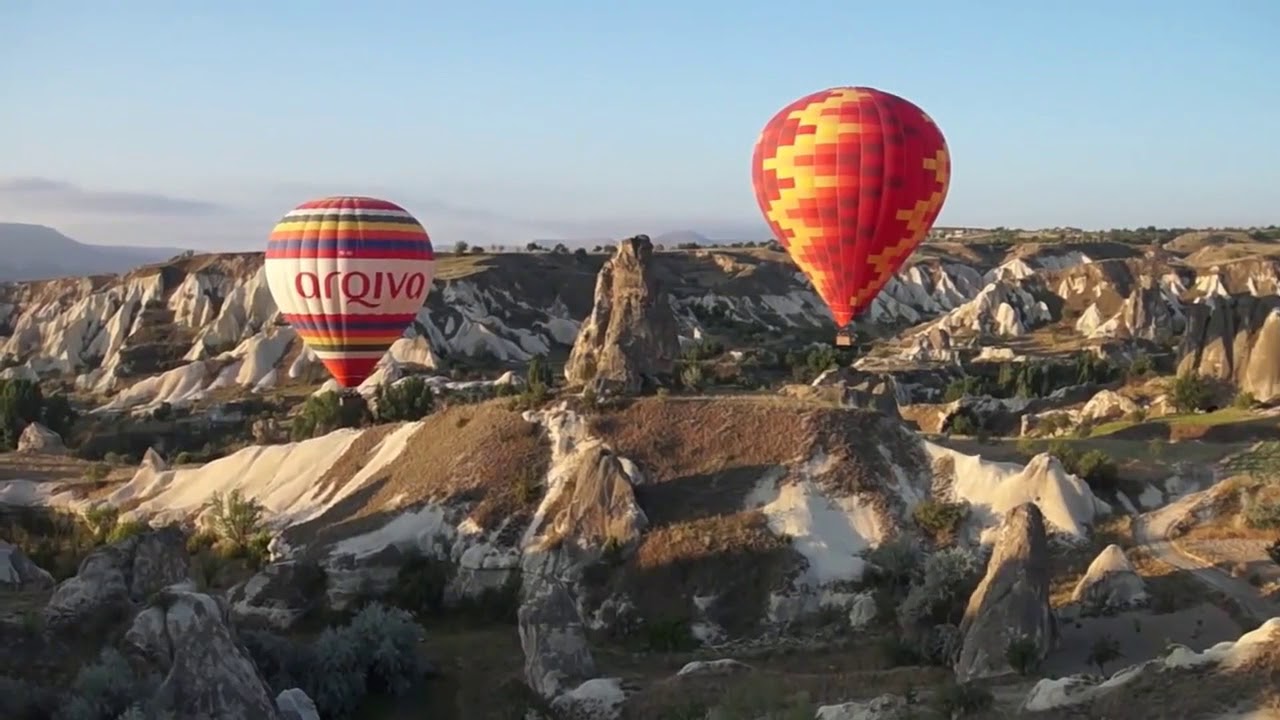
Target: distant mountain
<point>37,252</point>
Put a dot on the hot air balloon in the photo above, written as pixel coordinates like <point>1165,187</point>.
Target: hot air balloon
<point>349,274</point>
<point>850,180</point>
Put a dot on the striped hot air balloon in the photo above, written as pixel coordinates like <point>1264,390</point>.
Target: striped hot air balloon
<point>349,274</point>
<point>850,180</point>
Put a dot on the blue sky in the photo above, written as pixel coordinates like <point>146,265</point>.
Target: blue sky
<point>162,123</point>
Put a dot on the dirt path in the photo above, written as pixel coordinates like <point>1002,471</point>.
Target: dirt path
<point>1151,530</point>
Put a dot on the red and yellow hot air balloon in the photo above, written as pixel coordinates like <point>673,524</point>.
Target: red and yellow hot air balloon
<point>850,180</point>
<point>349,274</point>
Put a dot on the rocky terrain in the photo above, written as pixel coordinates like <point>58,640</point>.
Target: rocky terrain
<point>642,484</point>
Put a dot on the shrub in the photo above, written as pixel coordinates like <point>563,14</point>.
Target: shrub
<point>20,700</point>
<point>1273,551</point>
<point>376,652</point>
<point>1244,400</point>
<point>963,425</point>
<point>895,562</point>
<point>940,518</point>
<point>940,594</point>
<point>101,520</point>
<point>405,401</point>
<point>1104,650</point>
<point>125,529</point>
<point>327,412</point>
<point>1023,655</point>
<point>104,689</point>
<point>957,700</point>
<point>1191,393</point>
<point>237,523</point>
<point>691,377</point>
<point>97,471</point>
<point>1260,513</point>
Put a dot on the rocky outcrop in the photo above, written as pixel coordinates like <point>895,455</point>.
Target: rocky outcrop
<point>279,596</point>
<point>152,461</point>
<point>1110,583</point>
<point>884,707</point>
<point>1012,601</point>
<point>18,572</point>
<point>631,336</point>
<point>114,578</point>
<point>38,439</point>
<point>554,641</point>
<point>294,704</point>
<point>872,391</point>
<point>1107,405</point>
<point>187,638</point>
<point>1004,308</point>
<point>1236,339</point>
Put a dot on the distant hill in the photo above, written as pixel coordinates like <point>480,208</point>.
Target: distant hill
<point>37,252</point>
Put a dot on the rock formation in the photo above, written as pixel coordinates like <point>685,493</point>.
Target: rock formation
<point>115,577</point>
<point>18,572</point>
<point>1237,339</point>
<point>1110,583</point>
<point>1012,601</point>
<point>39,439</point>
<point>557,656</point>
<point>186,637</point>
<point>631,335</point>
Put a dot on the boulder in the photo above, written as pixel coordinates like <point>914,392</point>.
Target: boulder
<point>1110,583</point>
<point>113,578</point>
<point>18,572</point>
<point>187,638</point>
<point>38,439</point>
<point>294,704</point>
<point>556,654</point>
<point>279,596</point>
<point>631,337</point>
<point>1012,601</point>
<point>884,707</point>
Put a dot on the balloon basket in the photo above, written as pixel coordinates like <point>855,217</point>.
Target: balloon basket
<point>844,337</point>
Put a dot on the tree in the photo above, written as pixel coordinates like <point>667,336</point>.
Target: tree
<point>533,247</point>
<point>1191,393</point>
<point>20,405</point>
<point>327,412</point>
<point>405,401</point>
<point>460,248</point>
<point>1273,551</point>
<point>1105,649</point>
<point>1023,655</point>
<point>580,254</point>
<point>560,249</point>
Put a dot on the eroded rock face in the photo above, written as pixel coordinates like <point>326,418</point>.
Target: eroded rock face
<point>554,640</point>
<point>631,335</point>
<point>1237,339</point>
<point>279,596</point>
<point>1110,583</point>
<point>1012,601</point>
<point>18,572</point>
<point>115,577</point>
<point>38,439</point>
<point>187,638</point>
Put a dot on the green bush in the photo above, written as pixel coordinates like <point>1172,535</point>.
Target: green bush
<point>940,518</point>
<point>957,700</point>
<point>237,524</point>
<point>405,401</point>
<point>1191,393</point>
<point>326,412</point>
<point>1023,655</point>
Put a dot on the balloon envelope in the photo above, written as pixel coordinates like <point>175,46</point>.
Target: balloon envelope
<point>349,274</point>
<point>850,180</point>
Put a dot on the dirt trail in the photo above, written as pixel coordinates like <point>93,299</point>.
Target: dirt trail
<point>1151,530</point>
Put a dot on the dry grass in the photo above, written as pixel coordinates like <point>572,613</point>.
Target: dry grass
<point>485,454</point>
<point>52,468</point>
<point>702,458</point>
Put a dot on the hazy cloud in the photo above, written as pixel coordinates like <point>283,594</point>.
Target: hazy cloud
<point>36,193</point>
